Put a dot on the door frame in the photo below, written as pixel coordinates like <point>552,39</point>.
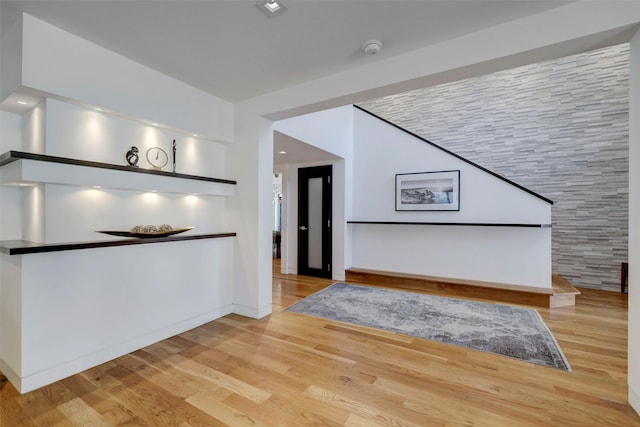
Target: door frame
<point>304,174</point>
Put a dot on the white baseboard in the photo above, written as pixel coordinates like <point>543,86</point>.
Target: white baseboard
<point>634,400</point>
<point>56,373</point>
<point>254,313</point>
<point>11,375</point>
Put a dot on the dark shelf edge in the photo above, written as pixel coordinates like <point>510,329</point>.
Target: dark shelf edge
<point>468,224</point>
<point>12,156</point>
<point>24,247</point>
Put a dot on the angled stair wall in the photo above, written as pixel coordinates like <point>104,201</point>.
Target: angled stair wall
<point>501,233</point>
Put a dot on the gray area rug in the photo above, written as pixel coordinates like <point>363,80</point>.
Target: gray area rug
<point>515,332</point>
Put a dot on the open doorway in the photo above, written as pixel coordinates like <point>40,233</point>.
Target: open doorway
<point>277,215</point>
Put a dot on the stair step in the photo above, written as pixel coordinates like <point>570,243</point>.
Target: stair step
<point>562,293</point>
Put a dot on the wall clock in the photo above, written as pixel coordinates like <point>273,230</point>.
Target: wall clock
<point>157,158</point>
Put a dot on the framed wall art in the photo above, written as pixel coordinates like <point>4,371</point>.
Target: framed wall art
<point>428,191</point>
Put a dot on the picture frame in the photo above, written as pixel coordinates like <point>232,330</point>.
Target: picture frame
<point>428,191</point>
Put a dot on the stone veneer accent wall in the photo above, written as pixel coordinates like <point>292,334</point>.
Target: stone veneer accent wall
<point>559,128</point>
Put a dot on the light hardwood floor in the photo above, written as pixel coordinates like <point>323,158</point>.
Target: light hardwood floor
<point>289,369</point>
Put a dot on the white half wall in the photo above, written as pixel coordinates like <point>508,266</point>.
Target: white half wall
<point>98,304</point>
<point>634,225</point>
<point>509,255</point>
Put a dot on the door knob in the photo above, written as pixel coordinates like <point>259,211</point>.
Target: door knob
<point>303,228</point>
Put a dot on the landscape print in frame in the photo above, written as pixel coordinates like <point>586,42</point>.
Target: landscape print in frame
<point>428,191</point>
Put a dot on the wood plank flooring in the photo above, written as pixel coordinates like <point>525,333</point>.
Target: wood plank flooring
<point>293,370</point>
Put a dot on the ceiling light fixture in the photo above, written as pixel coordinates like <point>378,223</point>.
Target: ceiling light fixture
<point>22,102</point>
<point>282,152</point>
<point>372,47</point>
<point>271,7</point>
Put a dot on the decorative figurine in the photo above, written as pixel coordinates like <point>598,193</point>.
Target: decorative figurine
<point>132,157</point>
<point>174,156</point>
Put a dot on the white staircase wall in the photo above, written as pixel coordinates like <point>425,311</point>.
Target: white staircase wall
<point>509,255</point>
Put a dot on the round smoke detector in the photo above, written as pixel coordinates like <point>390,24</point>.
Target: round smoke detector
<point>371,47</point>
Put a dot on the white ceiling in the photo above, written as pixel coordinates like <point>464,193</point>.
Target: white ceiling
<point>290,150</point>
<point>231,49</point>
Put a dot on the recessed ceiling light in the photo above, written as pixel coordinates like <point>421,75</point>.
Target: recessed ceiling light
<point>97,187</point>
<point>154,124</point>
<point>271,7</point>
<point>282,152</point>
<point>98,109</point>
<point>195,134</point>
<point>22,102</point>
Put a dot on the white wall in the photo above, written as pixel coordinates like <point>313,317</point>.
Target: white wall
<point>634,225</point>
<point>74,214</point>
<point>330,130</point>
<point>250,162</point>
<point>10,197</point>
<point>381,151</point>
<point>81,133</point>
<point>63,64</point>
<point>517,256</point>
<point>10,51</point>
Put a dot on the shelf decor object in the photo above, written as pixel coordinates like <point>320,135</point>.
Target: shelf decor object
<point>428,191</point>
<point>144,232</point>
<point>173,149</point>
<point>157,158</point>
<point>132,157</point>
